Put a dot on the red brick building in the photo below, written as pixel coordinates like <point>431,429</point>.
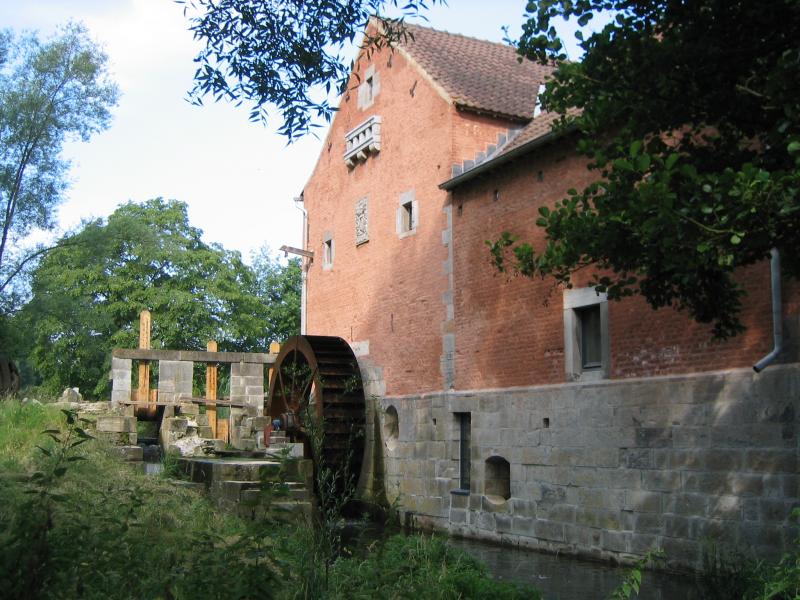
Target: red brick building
<point>513,409</point>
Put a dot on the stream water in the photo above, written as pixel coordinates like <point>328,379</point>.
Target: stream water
<point>567,578</point>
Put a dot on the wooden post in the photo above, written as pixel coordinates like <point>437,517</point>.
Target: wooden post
<point>143,394</point>
<point>211,389</point>
<point>274,348</point>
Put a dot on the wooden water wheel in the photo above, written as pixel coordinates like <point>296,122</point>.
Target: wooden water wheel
<point>318,377</point>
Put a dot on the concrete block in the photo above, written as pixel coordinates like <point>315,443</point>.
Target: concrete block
<point>726,460</point>
<point>725,507</point>
<point>680,551</point>
<point>688,505</point>
<point>649,523</point>
<point>120,396</point>
<point>705,483</point>
<point>188,408</point>
<point>774,509</point>
<point>503,523</point>
<point>115,424</point>
<point>548,530</point>
<point>637,458</point>
<point>676,526</point>
<point>176,424</point>
<point>643,501</point>
<point>130,453</point>
<point>745,485</point>
<point>643,543</point>
<point>654,437</point>
<point>661,481</point>
<point>458,516</point>
<point>615,541</point>
<point>485,521</point>
<point>118,438</point>
<point>771,461</point>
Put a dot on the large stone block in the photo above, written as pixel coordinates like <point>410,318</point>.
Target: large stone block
<point>115,424</point>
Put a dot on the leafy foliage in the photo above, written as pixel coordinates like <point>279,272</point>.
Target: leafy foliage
<point>287,54</point>
<point>116,533</point>
<point>88,293</point>
<point>49,92</point>
<point>632,581</point>
<point>278,286</point>
<point>422,567</point>
<point>689,114</point>
<point>110,532</point>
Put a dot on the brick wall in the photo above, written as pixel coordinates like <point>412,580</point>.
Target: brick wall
<point>510,331</point>
<point>389,291</point>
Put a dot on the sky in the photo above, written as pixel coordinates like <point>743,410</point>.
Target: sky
<point>238,178</point>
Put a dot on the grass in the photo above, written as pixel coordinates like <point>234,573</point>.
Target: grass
<point>108,530</point>
<point>419,567</point>
<point>92,527</point>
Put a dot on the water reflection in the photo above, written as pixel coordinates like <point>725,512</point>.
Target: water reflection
<point>567,578</point>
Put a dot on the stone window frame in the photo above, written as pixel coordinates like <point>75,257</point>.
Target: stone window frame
<point>362,238</point>
<point>574,301</point>
<point>463,433</point>
<point>369,89</point>
<point>497,480</point>
<point>328,251</point>
<point>406,227</point>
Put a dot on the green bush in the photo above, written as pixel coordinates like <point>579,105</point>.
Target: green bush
<point>419,567</point>
<point>76,522</point>
<point>93,527</point>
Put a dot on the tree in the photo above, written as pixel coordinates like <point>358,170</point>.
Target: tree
<point>278,286</point>
<point>87,295</point>
<point>49,92</point>
<point>284,53</point>
<point>690,115</point>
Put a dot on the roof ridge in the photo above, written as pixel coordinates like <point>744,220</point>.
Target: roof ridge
<point>460,35</point>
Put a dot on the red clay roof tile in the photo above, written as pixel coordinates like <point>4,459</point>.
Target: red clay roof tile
<point>478,75</point>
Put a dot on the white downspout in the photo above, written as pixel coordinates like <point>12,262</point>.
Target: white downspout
<point>305,265</point>
<point>777,312</point>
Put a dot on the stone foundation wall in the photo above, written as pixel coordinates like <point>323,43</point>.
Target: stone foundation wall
<point>607,469</point>
<point>174,380</point>
<point>247,386</point>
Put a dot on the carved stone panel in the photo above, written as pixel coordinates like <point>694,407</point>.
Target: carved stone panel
<point>362,222</point>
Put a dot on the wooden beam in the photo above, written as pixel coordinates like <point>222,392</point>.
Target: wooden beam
<point>218,403</point>
<point>143,392</point>
<point>299,251</point>
<point>211,390</point>
<point>261,358</point>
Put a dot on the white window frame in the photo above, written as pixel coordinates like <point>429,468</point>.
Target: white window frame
<point>574,300</point>
<point>369,89</point>
<point>405,226</point>
<point>328,251</point>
